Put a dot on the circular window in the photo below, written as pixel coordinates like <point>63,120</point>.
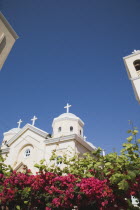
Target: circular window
<point>27,153</point>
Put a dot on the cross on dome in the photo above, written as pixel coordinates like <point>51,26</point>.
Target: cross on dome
<point>19,123</point>
<point>67,108</point>
<point>33,120</point>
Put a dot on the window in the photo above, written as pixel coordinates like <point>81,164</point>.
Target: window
<point>80,132</point>
<point>71,128</point>
<point>59,129</point>
<point>137,65</point>
<point>59,160</point>
<point>27,152</point>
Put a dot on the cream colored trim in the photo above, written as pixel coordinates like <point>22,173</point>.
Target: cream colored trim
<point>24,129</point>
<point>6,150</point>
<point>9,27</point>
<point>69,138</point>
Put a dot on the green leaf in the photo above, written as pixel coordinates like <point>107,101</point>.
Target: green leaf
<point>135,132</point>
<point>129,138</point>
<point>138,141</point>
<point>25,202</point>
<point>42,161</point>
<point>108,164</point>
<point>37,165</point>
<point>18,207</point>
<point>131,174</point>
<point>123,185</point>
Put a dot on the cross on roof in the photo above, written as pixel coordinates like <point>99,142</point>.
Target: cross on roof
<point>67,107</point>
<point>85,138</point>
<point>19,123</point>
<point>103,151</point>
<point>33,120</point>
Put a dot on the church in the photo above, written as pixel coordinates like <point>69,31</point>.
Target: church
<point>28,145</point>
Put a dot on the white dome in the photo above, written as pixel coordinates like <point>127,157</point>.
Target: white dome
<point>13,131</point>
<point>68,115</point>
<point>9,134</point>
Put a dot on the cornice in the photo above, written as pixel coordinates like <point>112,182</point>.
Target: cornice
<point>74,137</point>
<point>6,150</point>
<point>132,55</point>
<point>9,27</point>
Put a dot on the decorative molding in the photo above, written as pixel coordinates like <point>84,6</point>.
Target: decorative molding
<point>19,166</point>
<point>135,78</point>
<point>24,129</point>
<point>131,55</point>
<point>74,137</point>
<point>26,140</point>
<point>6,150</point>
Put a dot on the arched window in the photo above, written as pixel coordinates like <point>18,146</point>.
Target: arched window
<point>80,132</point>
<point>59,129</point>
<point>71,128</point>
<point>137,65</point>
<point>59,160</point>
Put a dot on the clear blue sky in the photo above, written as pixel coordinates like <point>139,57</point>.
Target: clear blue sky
<point>71,51</point>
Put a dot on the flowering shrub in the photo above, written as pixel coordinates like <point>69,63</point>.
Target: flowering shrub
<point>92,182</point>
<point>50,191</point>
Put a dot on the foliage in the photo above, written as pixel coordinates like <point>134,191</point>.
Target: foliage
<point>122,171</point>
<point>4,169</point>
<point>89,182</point>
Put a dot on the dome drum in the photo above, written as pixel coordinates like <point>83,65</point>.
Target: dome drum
<point>67,124</point>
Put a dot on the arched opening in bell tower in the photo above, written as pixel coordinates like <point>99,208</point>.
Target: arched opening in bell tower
<point>137,65</point>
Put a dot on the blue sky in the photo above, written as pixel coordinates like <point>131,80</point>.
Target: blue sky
<point>71,51</point>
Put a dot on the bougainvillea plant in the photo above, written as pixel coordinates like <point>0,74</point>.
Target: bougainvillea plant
<point>92,182</point>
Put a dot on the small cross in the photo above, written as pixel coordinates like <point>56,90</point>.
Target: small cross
<point>67,107</point>
<point>19,123</point>
<point>85,138</point>
<point>34,119</point>
<point>103,152</point>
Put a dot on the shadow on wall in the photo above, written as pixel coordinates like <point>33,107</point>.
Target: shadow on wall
<point>2,44</point>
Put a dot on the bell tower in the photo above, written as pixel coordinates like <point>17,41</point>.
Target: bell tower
<point>7,39</point>
<point>132,64</point>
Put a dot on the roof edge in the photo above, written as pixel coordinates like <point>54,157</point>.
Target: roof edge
<point>9,27</point>
<point>26,127</point>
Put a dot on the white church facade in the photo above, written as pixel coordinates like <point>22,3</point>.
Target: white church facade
<point>28,145</point>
